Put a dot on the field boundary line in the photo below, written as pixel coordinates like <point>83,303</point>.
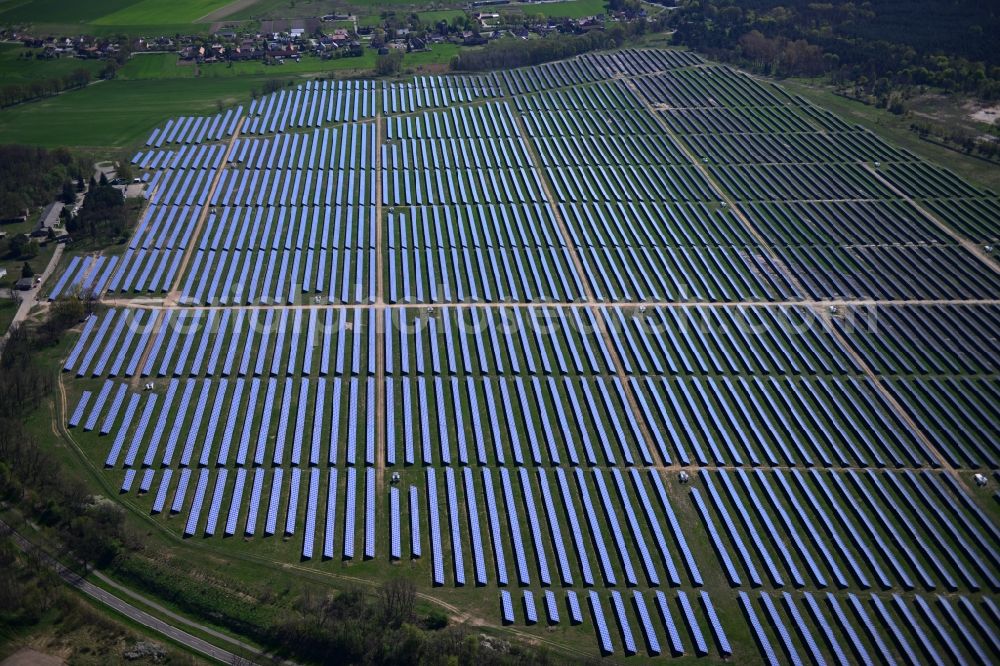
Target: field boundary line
<point>591,303</point>
<point>967,243</point>
<point>172,296</point>
<point>378,313</point>
<point>161,315</point>
<point>887,395</point>
<point>228,9</point>
<point>144,304</point>
<point>724,197</point>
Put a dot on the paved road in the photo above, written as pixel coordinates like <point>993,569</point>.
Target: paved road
<point>28,297</point>
<point>123,607</point>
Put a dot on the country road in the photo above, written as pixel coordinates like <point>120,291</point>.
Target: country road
<point>128,610</point>
<point>28,297</point>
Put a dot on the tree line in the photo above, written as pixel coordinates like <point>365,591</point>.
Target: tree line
<point>887,44</point>
<point>30,476</point>
<point>306,622</point>
<point>15,93</point>
<point>32,177</point>
<point>509,52</point>
<point>103,215</point>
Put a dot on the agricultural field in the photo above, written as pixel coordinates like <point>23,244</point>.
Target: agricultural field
<point>31,11</point>
<point>156,66</point>
<point>118,113</point>
<point>562,9</point>
<point>630,354</point>
<point>109,17</point>
<point>16,69</point>
<point>153,12</point>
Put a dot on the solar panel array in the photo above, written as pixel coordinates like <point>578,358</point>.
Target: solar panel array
<point>537,296</point>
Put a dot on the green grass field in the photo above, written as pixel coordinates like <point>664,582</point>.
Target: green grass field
<point>434,16</point>
<point>121,112</point>
<point>153,12</point>
<point>308,65</point>
<point>15,69</point>
<point>270,9</point>
<point>109,17</point>
<point>568,9</point>
<point>152,88</point>
<point>157,66</point>
<point>7,310</point>
<point>59,11</point>
<point>115,114</point>
<point>896,130</point>
<point>438,54</point>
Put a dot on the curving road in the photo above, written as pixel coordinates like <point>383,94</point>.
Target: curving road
<point>128,610</point>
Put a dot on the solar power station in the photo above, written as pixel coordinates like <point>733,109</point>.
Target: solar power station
<point>631,345</point>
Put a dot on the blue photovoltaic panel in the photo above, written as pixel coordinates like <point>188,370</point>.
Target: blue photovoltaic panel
<point>116,404</point>
<point>758,629</point>
<point>147,480</point>
<point>472,511</point>
<point>493,514</point>
<point>734,534</point>
<point>530,613</point>
<point>603,635</point>
<point>293,501</point>
<point>216,506</point>
<point>88,328</point>
<point>573,603</point>
<point>633,521</point>
<point>161,424</point>
<point>676,645</point>
<point>779,626</point>
<point>390,423</point>
<point>232,421</point>
<point>370,408</point>
<point>236,501</point>
<point>627,639</point>
<point>653,520</point>
<point>309,531</point>
<point>140,430</point>
<point>161,492</point>
<point>551,606</point>
<point>506,607</point>
<point>875,633</point>
<point>720,547</point>
<point>648,630</point>
<point>701,647</point>
<point>911,621</point>
<point>617,533</point>
<point>437,556</point>
<point>74,419</point>
<point>717,630</point>
<point>116,447</point>
<point>181,491</point>
<point>805,634</point>
<point>350,512</point>
<point>848,629</point>
<point>370,513</point>
<point>453,519</point>
<point>271,522</point>
<point>395,547</point>
<point>196,422</point>
<point>521,559</point>
<point>595,528</point>
<point>331,515</point>
<point>127,481</point>
<point>414,523</point>
<point>98,405</point>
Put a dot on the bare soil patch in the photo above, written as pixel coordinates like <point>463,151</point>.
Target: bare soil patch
<point>31,657</point>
